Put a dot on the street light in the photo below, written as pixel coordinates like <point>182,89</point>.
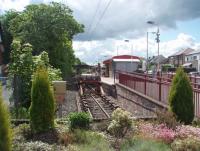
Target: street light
<point>127,40</point>
<point>157,40</point>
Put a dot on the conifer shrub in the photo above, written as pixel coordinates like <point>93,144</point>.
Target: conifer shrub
<point>42,103</point>
<point>5,131</point>
<point>181,97</point>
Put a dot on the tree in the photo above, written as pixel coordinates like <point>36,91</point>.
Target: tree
<point>21,68</point>
<point>42,107</point>
<point>181,97</point>
<point>7,36</point>
<point>20,72</point>
<point>42,60</point>
<point>49,27</point>
<point>77,61</point>
<point>5,131</point>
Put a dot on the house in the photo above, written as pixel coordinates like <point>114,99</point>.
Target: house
<point>192,59</point>
<point>125,63</point>
<point>157,59</point>
<point>178,58</point>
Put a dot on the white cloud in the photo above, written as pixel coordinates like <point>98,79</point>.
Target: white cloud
<point>94,51</point>
<point>13,4</point>
<point>124,19</point>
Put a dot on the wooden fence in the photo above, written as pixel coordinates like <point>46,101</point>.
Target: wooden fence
<point>157,87</point>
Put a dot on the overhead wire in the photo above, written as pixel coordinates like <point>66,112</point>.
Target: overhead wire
<point>102,15</point>
<point>94,16</point>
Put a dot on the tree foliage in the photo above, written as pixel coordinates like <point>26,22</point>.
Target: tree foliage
<point>42,60</point>
<point>42,107</point>
<point>7,37</point>
<point>21,69</point>
<point>5,131</point>
<point>20,72</point>
<point>49,27</point>
<point>181,97</point>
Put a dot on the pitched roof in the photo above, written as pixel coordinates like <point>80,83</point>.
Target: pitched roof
<point>157,59</point>
<point>122,58</point>
<point>194,52</point>
<point>183,51</point>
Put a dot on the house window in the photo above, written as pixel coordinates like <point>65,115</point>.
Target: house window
<point>194,57</point>
<point>187,58</point>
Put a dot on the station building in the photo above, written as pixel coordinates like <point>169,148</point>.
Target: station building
<point>124,63</point>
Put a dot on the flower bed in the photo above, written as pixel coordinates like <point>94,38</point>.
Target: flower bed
<point>163,133</point>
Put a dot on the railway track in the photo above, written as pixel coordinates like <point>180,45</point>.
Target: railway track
<point>99,107</point>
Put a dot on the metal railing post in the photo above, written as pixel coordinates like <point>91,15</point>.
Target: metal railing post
<point>145,84</point>
<point>160,88</point>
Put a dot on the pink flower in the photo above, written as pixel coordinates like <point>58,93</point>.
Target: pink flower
<point>162,132</point>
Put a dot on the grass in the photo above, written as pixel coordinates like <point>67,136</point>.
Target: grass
<point>77,140</point>
<point>144,145</point>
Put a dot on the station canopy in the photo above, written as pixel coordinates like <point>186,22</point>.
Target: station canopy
<point>122,58</point>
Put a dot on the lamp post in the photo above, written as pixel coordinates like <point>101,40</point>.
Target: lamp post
<point>147,52</point>
<point>157,40</point>
<point>127,40</point>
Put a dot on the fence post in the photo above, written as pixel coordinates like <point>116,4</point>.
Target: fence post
<point>134,82</point>
<point>145,84</point>
<point>160,79</point>
<point>114,75</point>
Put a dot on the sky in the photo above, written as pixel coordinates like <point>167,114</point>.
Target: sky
<point>108,23</point>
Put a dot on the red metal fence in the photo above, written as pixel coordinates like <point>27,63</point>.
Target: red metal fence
<point>157,87</point>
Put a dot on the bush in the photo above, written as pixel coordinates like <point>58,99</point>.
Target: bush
<point>120,124</point>
<point>144,145</point>
<point>196,122</point>
<point>181,97</point>
<point>167,118</point>
<point>19,113</point>
<point>188,144</point>
<point>91,141</point>
<point>43,104</point>
<point>42,60</point>
<point>5,132</point>
<point>79,120</point>
<point>83,140</point>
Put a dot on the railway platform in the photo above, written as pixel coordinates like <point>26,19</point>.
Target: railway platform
<point>108,80</point>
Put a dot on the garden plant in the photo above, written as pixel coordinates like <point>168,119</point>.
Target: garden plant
<point>42,107</point>
<point>5,131</point>
<point>181,97</point>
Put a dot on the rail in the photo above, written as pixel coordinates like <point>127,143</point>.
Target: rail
<point>99,107</point>
<point>108,116</point>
